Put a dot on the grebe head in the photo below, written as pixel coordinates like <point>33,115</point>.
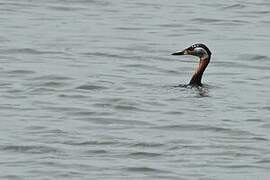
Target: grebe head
<point>201,51</point>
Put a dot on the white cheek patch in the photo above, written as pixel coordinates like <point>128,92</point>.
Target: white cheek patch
<point>185,52</point>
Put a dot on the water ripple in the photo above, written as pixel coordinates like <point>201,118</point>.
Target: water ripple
<point>143,169</point>
<point>234,6</point>
<point>30,51</point>
<point>195,127</point>
<point>144,154</point>
<point>91,87</point>
<point>31,149</point>
<point>87,90</point>
<point>92,143</point>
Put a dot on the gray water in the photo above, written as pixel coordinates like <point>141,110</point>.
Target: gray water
<point>88,90</point>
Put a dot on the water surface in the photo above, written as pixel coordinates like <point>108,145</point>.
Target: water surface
<point>88,90</point>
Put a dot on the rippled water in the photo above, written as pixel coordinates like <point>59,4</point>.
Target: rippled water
<point>88,90</point>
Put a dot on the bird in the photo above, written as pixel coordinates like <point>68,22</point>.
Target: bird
<point>202,51</point>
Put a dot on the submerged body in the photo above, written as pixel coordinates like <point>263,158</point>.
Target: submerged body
<point>201,51</point>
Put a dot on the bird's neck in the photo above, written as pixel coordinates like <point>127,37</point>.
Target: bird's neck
<point>197,75</point>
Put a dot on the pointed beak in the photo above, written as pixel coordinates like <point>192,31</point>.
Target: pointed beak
<point>184,52</point>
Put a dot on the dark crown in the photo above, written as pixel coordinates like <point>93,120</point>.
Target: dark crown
<point>202,46</point>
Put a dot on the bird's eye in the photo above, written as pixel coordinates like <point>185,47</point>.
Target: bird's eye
<point>191,48</point>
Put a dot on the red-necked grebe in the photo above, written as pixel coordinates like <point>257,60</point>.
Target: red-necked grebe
<point>201,51</point>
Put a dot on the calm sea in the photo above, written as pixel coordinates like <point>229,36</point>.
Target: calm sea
<point>87,90</point>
